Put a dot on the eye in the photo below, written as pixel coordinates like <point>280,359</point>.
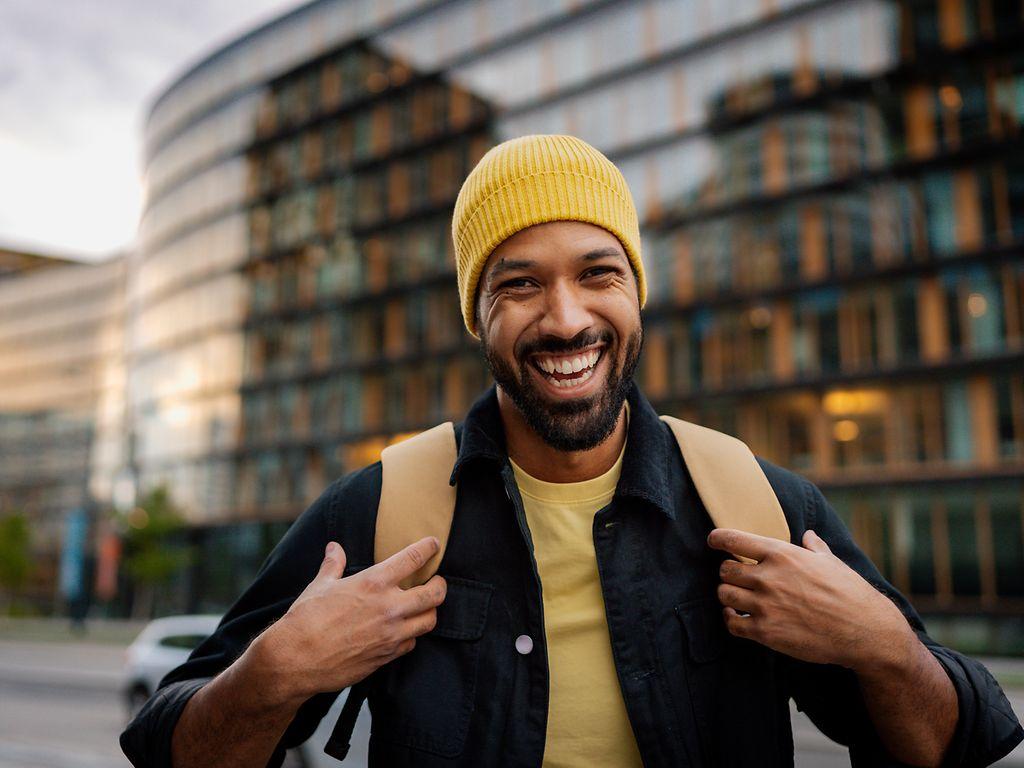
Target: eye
<point>598,271</point>
<point>515,282</point>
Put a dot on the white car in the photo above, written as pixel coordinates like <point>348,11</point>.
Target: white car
<point>159,648</point>
<point>166,643</point>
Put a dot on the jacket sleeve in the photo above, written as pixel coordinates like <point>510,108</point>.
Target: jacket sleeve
<point>986,728</point>
<point>287,570</point>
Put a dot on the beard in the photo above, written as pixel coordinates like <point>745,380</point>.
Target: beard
<point>570,425</point>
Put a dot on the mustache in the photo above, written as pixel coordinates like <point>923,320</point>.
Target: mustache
<point>579,342</point>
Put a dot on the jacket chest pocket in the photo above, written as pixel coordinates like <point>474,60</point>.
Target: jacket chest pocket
<point>730,684</point>
<point>704,637</point>
<point>704,633</point>
<point>425,699</point>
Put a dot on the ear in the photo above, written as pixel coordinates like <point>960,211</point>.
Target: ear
<point>478,309</point>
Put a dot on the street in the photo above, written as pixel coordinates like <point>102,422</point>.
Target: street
<point>60,705</point>
<point>61,709</point>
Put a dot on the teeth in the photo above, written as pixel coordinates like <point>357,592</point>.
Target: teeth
<point>568,364</point>
<point>570,383</point>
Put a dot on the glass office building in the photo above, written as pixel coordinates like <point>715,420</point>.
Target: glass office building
<point>832,200</point>
<point>61,397</point>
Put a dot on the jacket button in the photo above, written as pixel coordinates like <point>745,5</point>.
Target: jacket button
<point>524,644</point>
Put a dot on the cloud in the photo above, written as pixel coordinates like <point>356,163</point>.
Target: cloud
<point>75,79</point>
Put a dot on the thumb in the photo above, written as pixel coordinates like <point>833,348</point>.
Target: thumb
<point>814,542</point>
<point>333,565</point>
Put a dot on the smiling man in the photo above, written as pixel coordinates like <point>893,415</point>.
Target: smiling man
<point>585,612</point>
<point>569,390</point>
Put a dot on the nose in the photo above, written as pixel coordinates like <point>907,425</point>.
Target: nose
<point>565,312</point>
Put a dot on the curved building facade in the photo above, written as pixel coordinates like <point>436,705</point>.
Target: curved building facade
<point>832,198</point>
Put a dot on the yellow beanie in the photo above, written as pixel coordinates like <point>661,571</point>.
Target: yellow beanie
<point>531,180</point>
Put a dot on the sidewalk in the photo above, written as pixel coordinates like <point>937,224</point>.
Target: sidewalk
<point>97,631</point>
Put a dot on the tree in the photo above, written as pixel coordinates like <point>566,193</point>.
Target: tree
<point>15,557</point>
<point>154,549</point>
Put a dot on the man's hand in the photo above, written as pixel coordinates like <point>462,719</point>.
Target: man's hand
<point>807,603</point>
<point>335,633</point>
<point>339,630</point>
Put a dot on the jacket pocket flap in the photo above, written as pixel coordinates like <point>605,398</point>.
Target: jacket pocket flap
<point>704,628</point>
<point>463,614</point>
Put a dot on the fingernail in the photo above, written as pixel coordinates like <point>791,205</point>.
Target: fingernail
<point>331,548</point>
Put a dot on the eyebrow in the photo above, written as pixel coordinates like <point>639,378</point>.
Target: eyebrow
<point>601,253</point>
<point>510,265</point>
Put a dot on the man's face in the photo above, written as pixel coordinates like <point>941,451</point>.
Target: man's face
<point>559,324</point>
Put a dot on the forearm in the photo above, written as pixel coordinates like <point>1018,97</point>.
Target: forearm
<point>911,702</point>
<point>237,719</point>
<point>335,633</point>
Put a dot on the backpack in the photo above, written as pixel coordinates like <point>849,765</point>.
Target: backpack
<point>417,501</point>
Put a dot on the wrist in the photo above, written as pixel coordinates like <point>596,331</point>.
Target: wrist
<point>889,654</point>
<point>266,663</point>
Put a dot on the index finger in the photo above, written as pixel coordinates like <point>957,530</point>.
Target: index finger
<point>416,600</point>
<point>742,543</point>
<point>406,562</point>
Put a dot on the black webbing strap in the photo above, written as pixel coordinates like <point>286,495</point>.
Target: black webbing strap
<point>341,737</point>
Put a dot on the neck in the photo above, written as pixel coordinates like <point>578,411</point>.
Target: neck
<point>544,462</point>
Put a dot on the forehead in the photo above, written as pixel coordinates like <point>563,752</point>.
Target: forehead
<point>553,243</point>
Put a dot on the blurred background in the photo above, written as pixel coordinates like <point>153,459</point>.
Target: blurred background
<point>832,203</point>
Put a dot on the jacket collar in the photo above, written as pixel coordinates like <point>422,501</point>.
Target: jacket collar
<point>645,465</point>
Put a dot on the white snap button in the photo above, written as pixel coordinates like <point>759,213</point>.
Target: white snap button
<point>524,644</point>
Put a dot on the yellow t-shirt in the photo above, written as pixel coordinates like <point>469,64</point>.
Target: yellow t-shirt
<point>587,721</point>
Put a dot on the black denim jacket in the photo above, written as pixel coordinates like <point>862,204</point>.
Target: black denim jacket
<point>695,694</point>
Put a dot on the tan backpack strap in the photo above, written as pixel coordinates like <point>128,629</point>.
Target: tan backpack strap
<point>415,497</point>
<point>730,482</point>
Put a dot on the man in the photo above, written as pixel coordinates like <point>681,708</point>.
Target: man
<point>584,612</point>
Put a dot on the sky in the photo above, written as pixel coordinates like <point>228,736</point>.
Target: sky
<point>76,80</point>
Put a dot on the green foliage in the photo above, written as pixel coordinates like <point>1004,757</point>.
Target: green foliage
<point>154,548</point>
<point>15,557</point>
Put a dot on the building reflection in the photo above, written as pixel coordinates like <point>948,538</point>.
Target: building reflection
<point>844,290</point>
<point>352,332</point>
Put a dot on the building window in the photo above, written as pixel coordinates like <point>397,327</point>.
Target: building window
<point>1009,398</point>
<point>1007,513</point>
